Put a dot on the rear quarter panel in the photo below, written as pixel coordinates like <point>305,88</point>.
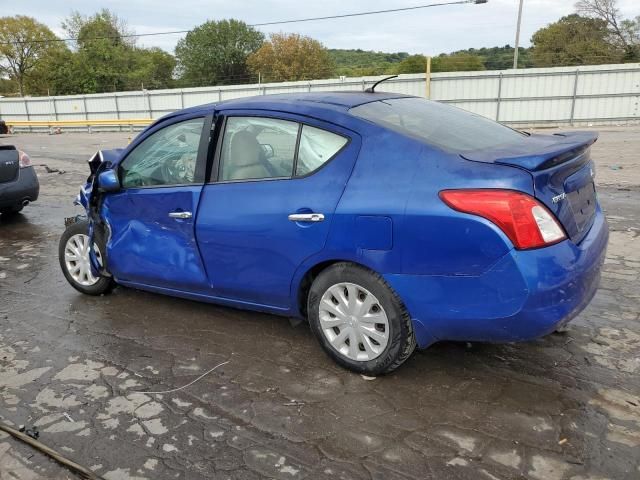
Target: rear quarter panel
<point>437,240</point>
<point>391,219</point>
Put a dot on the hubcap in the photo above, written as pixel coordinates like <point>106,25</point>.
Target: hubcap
<point>354,322</point>
<point>76,257</point>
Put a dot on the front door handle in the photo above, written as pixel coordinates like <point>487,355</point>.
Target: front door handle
<point>182,215</point>
<point>306,217</point>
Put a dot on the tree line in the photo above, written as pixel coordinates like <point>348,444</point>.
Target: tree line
<point>103,55</point>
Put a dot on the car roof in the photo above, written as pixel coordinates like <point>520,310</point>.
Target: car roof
<point>297,102</point>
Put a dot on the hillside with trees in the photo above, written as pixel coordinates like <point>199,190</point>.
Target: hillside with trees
<point>353,63</point>
<point>103,55</point>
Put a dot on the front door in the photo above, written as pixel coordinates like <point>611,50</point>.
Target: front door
<point>151,220</point>
<point>275,187</point>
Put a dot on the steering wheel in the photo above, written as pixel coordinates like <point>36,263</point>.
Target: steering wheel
<point>133,179</point>
<point>168,175</point>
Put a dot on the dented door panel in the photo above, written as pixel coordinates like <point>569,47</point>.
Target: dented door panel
<point>149,246</point>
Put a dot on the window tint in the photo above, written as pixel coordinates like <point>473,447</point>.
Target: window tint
<point>316,148</point>
<point>167,157</point>
<point>255,147</point>
<point>441,125</point>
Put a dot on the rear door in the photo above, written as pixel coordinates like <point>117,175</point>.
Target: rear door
<point>152,218</point>
<point>274,188</point>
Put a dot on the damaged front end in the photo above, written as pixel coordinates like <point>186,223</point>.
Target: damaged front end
<point>90,198</point>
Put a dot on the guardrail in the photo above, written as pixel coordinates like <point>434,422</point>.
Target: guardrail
<point>584,95</point>
<point>53,124</point>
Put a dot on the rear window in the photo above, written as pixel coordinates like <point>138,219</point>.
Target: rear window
<point>440,125</point>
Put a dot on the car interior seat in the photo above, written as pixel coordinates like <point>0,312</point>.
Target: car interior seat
<point>244,159</point>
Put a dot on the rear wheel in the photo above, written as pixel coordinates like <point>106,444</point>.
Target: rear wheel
<point>360,322</point>
<point>11,210</point>
<point>73,254</point>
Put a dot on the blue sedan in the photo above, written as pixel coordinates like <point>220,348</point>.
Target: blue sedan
<point>388,221</point>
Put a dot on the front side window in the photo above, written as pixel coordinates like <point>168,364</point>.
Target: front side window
<point>316,148</point>
<point>167,157</point>
<point>257,147</point>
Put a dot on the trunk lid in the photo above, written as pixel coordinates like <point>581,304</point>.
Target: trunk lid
<point>562,171</point>
<point>9,163</point>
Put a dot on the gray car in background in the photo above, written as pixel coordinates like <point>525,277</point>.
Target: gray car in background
<point>18,180</point>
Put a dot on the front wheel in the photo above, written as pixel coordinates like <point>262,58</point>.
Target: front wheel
<point>360,322</point>
<point>73,254</point>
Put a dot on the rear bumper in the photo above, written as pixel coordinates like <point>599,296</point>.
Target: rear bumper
<point>525,295</point>
<point>25,187</point>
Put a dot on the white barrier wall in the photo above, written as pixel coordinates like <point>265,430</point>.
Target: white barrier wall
<point>538,96</point>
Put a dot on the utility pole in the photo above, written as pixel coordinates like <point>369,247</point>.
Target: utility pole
<point>515,52</point>
<point>427,77</point>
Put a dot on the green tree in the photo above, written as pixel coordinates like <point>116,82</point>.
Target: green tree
<point>412,64</point>
<point>56,74</point>
<point>623,33</point>
<point>574,40</point>
<point>216,53</point>
<point>23,43</point>
<point>105,59</point>
<point>75,24</point>
<point>499,58</point>
<point>454,62</point>
<point>8,87</point>
<point>154,68</point>
<point>457,62</point>
<point>289,57</point>
<point>360,62</point>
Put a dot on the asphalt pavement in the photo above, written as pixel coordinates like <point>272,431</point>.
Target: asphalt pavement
<point>563,407</point>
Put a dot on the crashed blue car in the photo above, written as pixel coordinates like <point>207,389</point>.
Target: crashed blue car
<point>388,221</point>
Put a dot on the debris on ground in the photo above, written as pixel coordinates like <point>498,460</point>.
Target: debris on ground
<point>48,169</point>
<point>32,432</point>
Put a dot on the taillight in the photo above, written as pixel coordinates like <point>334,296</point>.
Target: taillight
<point>25,161</point>
<point>526,222</point>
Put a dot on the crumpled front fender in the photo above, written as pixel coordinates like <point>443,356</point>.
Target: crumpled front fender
<point>90,199</point>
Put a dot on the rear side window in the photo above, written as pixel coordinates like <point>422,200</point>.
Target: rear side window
<point>316,148</point>
<point>440,125</point>
<point>255,148</point>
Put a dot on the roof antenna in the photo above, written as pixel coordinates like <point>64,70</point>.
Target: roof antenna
<point>373,87</point>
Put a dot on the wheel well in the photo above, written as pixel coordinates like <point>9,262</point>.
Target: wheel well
<point>310,276</point>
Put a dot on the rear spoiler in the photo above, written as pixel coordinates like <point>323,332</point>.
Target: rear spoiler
<point>538,152</point>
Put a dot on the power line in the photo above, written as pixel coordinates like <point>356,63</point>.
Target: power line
<point>279,22</point>
<point>371,12</point>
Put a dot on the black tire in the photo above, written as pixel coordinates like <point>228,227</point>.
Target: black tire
<point>103,285</point>
<point>11,210</point>
<point>401,343</point>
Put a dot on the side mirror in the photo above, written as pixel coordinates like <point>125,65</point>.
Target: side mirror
<point>108,181</point>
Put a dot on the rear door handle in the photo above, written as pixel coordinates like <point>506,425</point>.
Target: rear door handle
<point>182,215</point>
<point>306,217</point>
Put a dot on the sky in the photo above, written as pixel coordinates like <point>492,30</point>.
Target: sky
<point>427,31</point>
